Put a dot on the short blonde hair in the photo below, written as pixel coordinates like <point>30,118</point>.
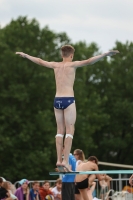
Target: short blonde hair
<point>66,50</point>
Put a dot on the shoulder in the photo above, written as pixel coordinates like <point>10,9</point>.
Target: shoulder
<point>95,166</point>
<point>19,189</point>
<point>77,64</point>
<point>54,64</point>
<point>54,189</point>
<point>50,192</point>
<point>78,162</point>
<point>73,64</point>
<point>41,190</point>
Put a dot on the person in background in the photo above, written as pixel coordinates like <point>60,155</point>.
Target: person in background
<point>45,190</point>
<point>4,194</point>
<point>57,189</point>
<point>3,179</point>
<point>80,157</point>
<point>34,191</point>
<point>68,181</point>
<point>7,185</point>
<point>84,181</point>
<point>105,186</point>
<point>22,193</point>
<point>91,190</point>
<point>12,187</point>
<point>131,180</point>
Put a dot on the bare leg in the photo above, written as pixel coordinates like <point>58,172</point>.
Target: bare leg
<point>91,178</point>
<point>59,115</point>
<point>90,194</point>
<point>78,197</point>
<point>70,118</point>
<point>59,146</point>
<point>84,194</point>
<point>93,187</point>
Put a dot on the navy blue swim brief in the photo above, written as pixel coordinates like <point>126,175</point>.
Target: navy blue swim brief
<point>63,102</point>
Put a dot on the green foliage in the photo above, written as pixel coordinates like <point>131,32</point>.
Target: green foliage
<point>103,93</point>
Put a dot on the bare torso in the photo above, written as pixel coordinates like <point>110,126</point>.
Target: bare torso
<point>88,166</point>
<point>64,77</point>
<point>103,183</point>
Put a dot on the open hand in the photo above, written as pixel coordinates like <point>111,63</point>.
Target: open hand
<point>112,52</point>
<point>21,54</point>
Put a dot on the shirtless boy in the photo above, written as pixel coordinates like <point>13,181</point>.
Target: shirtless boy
<point>84,181</point>
<point>64,102</point>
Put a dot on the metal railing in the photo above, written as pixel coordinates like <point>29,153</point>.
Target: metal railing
<point>116,187</point>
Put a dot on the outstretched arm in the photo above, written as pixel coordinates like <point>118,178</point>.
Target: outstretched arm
<point>94,59</point>
<point>36,60</point>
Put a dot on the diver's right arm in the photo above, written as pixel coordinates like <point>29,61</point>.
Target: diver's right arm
<point>36,60</point>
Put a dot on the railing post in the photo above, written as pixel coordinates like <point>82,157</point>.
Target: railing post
<point>120,183</point>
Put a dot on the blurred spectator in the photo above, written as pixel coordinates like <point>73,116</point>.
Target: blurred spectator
<point>91,190</point>
<point>128,188</point>
<point>7,185</point>
<point>44,190</point>
<point>131,180</point>
<point>68,184</point>
<point>4,194</point>
<point>12,187</point>
<point>22,193</point>
<point>105,186</point>
<point>57,190</point>
<point>80,157</point>
<point>34,191</point>
<point>3,179</point>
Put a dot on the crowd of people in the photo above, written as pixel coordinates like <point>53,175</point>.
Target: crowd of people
<point>72,187</point>
<point>24,192</point>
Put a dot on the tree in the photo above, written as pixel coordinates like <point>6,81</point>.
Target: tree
<point>103,95</point>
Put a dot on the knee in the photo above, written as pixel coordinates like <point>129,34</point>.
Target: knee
<point>70,129</point>
<point>61,130</point>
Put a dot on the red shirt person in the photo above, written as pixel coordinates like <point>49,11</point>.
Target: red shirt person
<point>44,190</point>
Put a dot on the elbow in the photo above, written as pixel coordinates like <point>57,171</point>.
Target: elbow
<point>39,61</point>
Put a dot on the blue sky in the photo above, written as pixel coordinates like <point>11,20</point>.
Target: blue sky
<point>100,21</point>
